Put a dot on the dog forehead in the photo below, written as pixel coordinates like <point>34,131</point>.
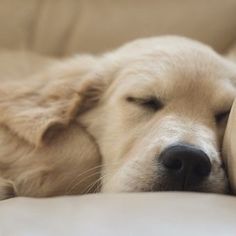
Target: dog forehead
<point>170,65</point>
<point>168,72</point>
<point>159,56</point>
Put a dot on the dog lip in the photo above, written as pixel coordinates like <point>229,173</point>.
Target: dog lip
<point>178,187</point>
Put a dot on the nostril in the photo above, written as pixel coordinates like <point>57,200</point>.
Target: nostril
<point>203,168</point>
<point>173,164</point>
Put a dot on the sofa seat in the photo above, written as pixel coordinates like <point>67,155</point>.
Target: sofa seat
<point>141,214</point>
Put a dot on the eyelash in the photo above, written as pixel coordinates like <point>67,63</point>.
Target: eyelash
<point>150,102</point>
<point>221,116</point>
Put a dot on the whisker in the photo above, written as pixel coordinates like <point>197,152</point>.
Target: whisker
<point>89,187</point>
<point>84,172</point>
<point>86,175</point>
<point>76,184</point>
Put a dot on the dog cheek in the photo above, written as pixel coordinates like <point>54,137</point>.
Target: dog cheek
<point>136,173</point>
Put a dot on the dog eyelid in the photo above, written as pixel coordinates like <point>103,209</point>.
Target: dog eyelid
<point>148,102</point>
<point>221,116</point>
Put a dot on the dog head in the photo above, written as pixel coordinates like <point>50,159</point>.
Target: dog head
<point>156,107</point>
<point>160,121</point>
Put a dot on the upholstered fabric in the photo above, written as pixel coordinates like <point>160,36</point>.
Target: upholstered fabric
<point>229,149</point>
<point>152,214</point>
<point>62,27</point>
<point>229,144</point>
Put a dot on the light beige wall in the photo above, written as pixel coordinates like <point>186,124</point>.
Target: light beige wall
<point>59,27</point>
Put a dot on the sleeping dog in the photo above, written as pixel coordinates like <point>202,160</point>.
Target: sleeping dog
<point>149,116</point>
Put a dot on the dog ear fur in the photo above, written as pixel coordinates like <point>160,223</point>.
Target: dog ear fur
<point>40,106</point>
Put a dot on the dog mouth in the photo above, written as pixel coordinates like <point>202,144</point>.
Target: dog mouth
<point>204,187</point>
<point>173,185</point>
<point>211,184</point>
<point>163,183</point>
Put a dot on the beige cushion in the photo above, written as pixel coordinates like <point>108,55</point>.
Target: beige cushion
<point>229,145</point>
<point>20,64</point>
<point>64,27</point>
<point>229,149</point>
<point>152,214</point>
<point>231,52</point>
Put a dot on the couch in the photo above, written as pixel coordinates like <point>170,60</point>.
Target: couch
<point>52,29</point>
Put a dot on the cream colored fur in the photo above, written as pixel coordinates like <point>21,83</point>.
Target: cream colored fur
<point>58,122</point>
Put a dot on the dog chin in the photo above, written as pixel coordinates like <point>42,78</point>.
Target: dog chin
<point>200,188</point>
<point>206,187</point>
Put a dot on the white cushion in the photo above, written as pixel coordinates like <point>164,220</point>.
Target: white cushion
<point>152,214</point>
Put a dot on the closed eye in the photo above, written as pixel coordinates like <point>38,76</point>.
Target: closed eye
<point>150,102</point>
<point>221,116</point>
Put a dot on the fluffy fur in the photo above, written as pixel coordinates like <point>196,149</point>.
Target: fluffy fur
<point>80,125</point>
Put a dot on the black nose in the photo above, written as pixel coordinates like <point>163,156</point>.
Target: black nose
<point>185,164</point>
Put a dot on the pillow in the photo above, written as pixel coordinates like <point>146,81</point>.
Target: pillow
<point>229,145</point>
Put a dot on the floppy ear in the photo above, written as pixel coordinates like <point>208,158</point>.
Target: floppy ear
<point>37,107</point>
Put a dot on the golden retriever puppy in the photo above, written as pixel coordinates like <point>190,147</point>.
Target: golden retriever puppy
<point>154,110</point>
